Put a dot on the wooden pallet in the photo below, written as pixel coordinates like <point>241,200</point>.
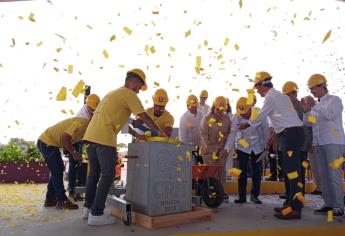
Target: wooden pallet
<point>157,222</point>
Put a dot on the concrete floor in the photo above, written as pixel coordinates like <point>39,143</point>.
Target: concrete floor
<point>22,213</point>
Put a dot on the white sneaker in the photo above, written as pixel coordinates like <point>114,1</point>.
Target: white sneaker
<point>100,220</point>
<point>86,212</point>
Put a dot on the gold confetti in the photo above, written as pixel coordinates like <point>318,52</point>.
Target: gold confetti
<point>127,30</point>
<point>61,96</point>
<point>235,172</point>
<point>112,38</point>
<point>289,153</point>
<point>235,90</point>
<point>240,3</point>
<point>152,49</point>
<point>78,88</point>
<point>214,156</point>
<point>64,111</point>
<point>205,43</point>
<point>221,135</point>
<point>299,184</point>
<point>186,34</point>
<point>286,211</point>
<point>32,17</point>
<point>292,175</point>
<point>312,119</point>
<point>172,49</point>
<point>226,41</point>
<point>198,61</point>
<point>180,158</point>
<point>105,54</point>
<point>334,132</point>
<point>219,124</point>
<point>305,164</point>
<point>147,47</point>
<point>156,84</point>
<point>212,120</point>
<point>329,216</point>
<point>70,69</point>
<point>58,49</point>
<point>275,33</point>
<point>89,26</point>
<point>337,163</point>
<point>189,123</point>
<point>254,114</point>
<point>237,47</point>
<point>327,36</point>
<point>17,122</point>
<point>39,44</point>
<point>56,69</point>
<point>243,142</point>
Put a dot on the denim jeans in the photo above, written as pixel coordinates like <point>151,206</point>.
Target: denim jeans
<point>52,156</point>
<point>102,162</point>
<point>73,167</point>
<point>256,175</point>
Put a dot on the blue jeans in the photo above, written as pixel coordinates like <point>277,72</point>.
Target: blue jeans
<point>73,167</point>
<point>52,156</point>
<point>102,162</point>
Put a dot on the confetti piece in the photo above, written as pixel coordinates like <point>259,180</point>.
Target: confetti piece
<point>237,47</point>
<point>301,198</point>
<point>244,143</point>
<point>186,34</point>
<point>250,98</point>
<point>212,120</point>
<point>289,153</point>
<point>292,175</point>
<point>39,44</point>
<point>178,169</point>
<point>334,132</point>
<point>56,69</point>
<point>32,17</point>
<point>286,211</point>
<point>112,38</point>
<point>275,33</point>
<point>127,30</point>
<point>180,158</point>
<point>219,124</point>
<point>189,123</point>
<point>329,216</point>
<point>254,114</point>
<point>221,135</point>
<point>17,122</point>
<point>146,165</point>
<point>312,119</point>
<point>327,36</point>
<point>147,47</point>
<point>172,49</point>
<point>61,96</point>
<point>89,26</point>
<point>58,49</point>
<point>205,43</point>
<point>78,88</point>
<point>152,49</point>
<point>156,84</point>
<point>214,156</point>
<point>70,69</point>
<point>235,90</point>
<point>337,163</point>
<point>305,164</point>
<point>105,54</point>
<point>235,172</point>
<point>299,184</point>
<point>240,3</point>
<point>64,111</point>
<point>226,41</point>
<point>198,61</point>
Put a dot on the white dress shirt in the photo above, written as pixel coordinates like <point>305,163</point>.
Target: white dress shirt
<point>328,128</point>
<point>189,129</point>
<point>204,110</point>
<point>256,136</point>
<point>279,108</point>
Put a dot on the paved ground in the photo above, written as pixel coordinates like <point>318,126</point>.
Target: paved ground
<point>22,213</point>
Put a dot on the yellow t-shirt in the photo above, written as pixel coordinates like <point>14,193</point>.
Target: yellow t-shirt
<point>163,121</point>
<point>111,114</point>
<point>75,127</point>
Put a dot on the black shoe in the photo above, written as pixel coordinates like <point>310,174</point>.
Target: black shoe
<point>50,203</point>
<point>280,209</point>
<point>338,212</point>
<point>316,192</point>
<point>323,210</point>
<point>240,200</point>
<point>255,200</point>
<point>283,196</point>
<point>286,203</point>
<point>226,198</point>
<point>272,178</point>
<point>67,204</point>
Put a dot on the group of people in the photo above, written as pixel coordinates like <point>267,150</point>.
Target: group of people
<point>283,123</point>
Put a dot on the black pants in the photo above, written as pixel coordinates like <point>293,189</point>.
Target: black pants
<point>74,167</point>
<point>291,140</point>
<point>256,175</point>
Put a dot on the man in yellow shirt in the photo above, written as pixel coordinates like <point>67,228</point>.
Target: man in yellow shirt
<point>111,114</point>
<point>63,134</point>
<point>162,118</point>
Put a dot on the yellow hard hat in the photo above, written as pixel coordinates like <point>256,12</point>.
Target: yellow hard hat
<point>160,97</point>
<point>241,106</point>
<point>220,103</point>
<point>316,79</point>
<point>204,94</point>
<point>192,101</point>
<point>92,101</point>
<point>290,87</point>
<point>261,76</point>
<point>141,75</point>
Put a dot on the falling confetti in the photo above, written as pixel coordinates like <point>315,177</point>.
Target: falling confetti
<point>32,17</point>
<point>327,36</point>
<point>240,3</point>
<point>79,88</point>
<point>112,38</point>
<point>127,30</point>
<point>186,34</point>
<point>61,96</point>
<point>105,54</point>
<point>70,69</point>
<point>243,143</point>
<point>292,175</point>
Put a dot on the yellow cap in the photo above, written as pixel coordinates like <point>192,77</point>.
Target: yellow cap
<point>316,79</point>
<point>261,76</point>
<point>192,101</point>
<point>241,106</point>
<point>160,97</point>
<point>290,87</point>
<point>204,94</point>
<point>141,75</point>
<point>92,101</point>
<point>220,103</point>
